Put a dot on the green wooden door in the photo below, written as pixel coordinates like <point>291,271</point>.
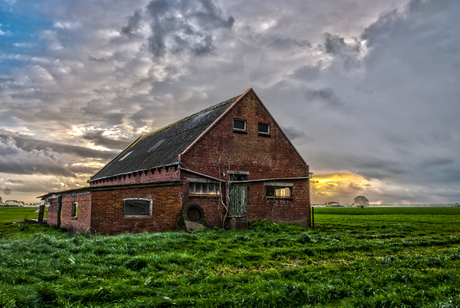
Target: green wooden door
<point>238,206</point>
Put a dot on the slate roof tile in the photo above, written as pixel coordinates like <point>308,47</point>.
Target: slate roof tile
<point>163,146</point>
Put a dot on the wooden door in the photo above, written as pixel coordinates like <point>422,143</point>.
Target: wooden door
<point>238,206</point>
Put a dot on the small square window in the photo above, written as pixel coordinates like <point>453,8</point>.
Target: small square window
<point>264,128</point>
<point>74,210</point>
<point>239,124</point>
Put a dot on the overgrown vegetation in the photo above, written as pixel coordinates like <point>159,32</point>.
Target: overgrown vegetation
<point>395,257</point>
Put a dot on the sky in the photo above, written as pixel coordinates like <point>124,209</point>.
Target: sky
<point>367,91</point>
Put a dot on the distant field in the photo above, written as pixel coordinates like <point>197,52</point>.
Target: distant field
<point>371,257</point>
<point>428,219</point>
<point>12,214</point>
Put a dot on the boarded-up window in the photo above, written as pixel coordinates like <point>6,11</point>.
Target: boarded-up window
<point>238,177</point>
<point>278,192</point>
<point>206,189</point>
<point>137,207</point>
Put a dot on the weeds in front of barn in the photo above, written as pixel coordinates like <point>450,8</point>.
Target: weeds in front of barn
<point>388,259</point>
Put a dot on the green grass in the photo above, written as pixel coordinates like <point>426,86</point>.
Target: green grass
<point>12,214</point>
<point>371,257</point>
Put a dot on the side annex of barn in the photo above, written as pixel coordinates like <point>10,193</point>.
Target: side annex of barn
<point>225,166</point>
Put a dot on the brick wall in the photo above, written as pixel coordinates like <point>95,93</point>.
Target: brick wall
<point>148,176</point>
<point>295,209</point>
<point>262,156</point>
<point>211,205</point>
<point>107,210</point>
<point>52,215</point>
<point>82,222</point>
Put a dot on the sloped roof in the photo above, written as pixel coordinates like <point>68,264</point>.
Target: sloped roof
<point>163,146</point>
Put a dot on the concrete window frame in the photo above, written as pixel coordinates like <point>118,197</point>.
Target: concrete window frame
<point>146,201</point>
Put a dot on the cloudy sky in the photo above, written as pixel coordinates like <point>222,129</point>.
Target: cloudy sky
<point>368,91</point>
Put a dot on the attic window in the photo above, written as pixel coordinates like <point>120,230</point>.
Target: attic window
<point>156,145</point>
<point>239,125</point>
<point>125,156</point>
<point>264,128</point>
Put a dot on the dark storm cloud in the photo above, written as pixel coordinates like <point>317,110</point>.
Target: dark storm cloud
<point>7,79</point>
<point>100,140</point>
<point>182,25</point>
<point>17,161</point>
<point>132,28</point>
<point>307,72</point>
<point>17,156</point>
<point>28,144</point>
<point>294,134</point>
<point>325,96</point>
<point>334,44</point>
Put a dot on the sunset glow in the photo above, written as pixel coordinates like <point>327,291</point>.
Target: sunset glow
<point>341,187</point>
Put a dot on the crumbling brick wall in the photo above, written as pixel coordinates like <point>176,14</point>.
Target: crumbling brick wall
<point>52,215</point>
<point>82,222</point>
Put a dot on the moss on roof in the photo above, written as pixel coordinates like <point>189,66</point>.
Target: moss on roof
<point>163,146</point>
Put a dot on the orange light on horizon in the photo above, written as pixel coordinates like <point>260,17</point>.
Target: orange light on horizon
<point>340,187</point>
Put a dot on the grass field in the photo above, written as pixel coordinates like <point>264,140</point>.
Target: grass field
<point>12,214</point>
<point>371,257</point>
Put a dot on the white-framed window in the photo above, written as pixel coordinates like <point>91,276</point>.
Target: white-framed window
<point>239,124</point>
<point>74,212</point>
<point>137,207</point>
<point>264,128</point>
<point>204,189</point>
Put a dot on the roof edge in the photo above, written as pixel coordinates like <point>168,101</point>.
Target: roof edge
<point>134,171</point>
<point>215,122</point>
<point>281,130</point>
<point>99,171</point>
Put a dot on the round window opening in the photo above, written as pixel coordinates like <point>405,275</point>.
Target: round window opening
<point>193,215</point>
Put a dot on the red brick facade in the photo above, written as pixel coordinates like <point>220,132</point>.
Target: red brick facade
<point>107,213</point>
<point>265,159</point>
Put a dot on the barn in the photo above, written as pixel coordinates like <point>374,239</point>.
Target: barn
<point>225,166</point>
